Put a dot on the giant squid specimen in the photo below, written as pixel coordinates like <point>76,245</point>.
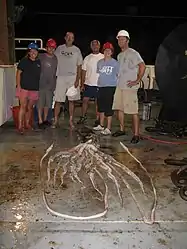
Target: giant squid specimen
<point>88,157</point>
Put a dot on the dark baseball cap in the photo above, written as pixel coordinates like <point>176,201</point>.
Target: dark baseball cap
<point>95,41</point>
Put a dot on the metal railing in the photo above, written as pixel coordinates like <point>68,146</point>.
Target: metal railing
<point>36,40</point>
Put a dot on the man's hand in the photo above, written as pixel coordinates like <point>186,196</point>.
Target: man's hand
<point>82,88</point>
<point>132,83</point>
<point>76,84</point>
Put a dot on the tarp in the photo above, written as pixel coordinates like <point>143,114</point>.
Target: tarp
<point>171,74</point>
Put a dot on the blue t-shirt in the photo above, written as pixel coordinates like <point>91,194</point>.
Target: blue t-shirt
<point>108,72</point>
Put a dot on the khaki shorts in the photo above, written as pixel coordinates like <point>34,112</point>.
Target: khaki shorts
<point>126,101</point>
<point>63,83</point>
<point>45,98</point>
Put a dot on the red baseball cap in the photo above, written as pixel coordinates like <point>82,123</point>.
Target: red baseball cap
<point>108,45</point>
<point>51,43</point>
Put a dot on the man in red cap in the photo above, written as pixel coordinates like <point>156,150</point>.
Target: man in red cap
<point>47,82</point>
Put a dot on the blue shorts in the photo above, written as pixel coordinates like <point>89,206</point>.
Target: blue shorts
<point>90,91</point>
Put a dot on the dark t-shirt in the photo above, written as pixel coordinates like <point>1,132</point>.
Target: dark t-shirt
<point>30,76</point>
<point>48,71</point>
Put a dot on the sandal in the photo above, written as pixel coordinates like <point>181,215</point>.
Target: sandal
<point>82,120</point>
<point>55,125</point>
<point>21,131</point>
<point>28,127</point>
<point>135,139</point>
<point>118,133</point>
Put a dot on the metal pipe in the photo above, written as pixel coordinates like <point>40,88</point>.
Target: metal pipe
<point>29,39</point>
<point>27,48</point>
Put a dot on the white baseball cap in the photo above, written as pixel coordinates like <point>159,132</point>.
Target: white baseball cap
<point>123,33</point>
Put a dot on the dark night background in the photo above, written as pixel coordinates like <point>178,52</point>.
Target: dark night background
<point>148,23</point>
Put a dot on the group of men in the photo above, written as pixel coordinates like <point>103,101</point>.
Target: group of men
<point>73,70</point>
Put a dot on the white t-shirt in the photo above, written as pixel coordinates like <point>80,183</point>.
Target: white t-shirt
<point>128,61</point>
<point>68,60</point>
<point>90,66</point>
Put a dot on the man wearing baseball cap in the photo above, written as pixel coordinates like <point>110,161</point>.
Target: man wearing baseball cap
<point>132,68</point>
<point>47,83</point>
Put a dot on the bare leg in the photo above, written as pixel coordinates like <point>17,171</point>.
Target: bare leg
<point>121,120</point>
<point>96,110</point>
<point>136,124</point>
<point>109,122</point>
<point>40,111</point>
<point>22,111</point>
<point>102,118</point>
<point>85,106</point>
<point>71,113</point>
<point>46,110</point>
<point>56,112</point>
<point>29,112</point>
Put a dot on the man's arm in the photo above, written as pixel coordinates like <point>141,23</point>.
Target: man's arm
<point>141,71</point>
<point>78,76</point>
<point>141,66</point>
<point>83,71</point>
<point>83,77</point>
<point>79,69</point>
<point>138,61</point>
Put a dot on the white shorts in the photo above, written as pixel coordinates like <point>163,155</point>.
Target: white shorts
<point>63,83</point>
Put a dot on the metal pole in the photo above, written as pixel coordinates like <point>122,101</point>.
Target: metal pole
<point>4,49</point>
<point>11,34</point>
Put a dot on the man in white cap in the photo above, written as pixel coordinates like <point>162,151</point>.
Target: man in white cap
<point>132,68</point>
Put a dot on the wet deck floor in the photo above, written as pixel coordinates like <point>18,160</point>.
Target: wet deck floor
<point>27,224</point>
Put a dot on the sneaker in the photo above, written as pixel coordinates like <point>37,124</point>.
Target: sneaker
<point>98,128</point>
<point>47,123</point>
<point>41,126</point>
<point>106,132</point>
<point>135,139</point>
<point>54,125</point>
<point>82,120</point>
